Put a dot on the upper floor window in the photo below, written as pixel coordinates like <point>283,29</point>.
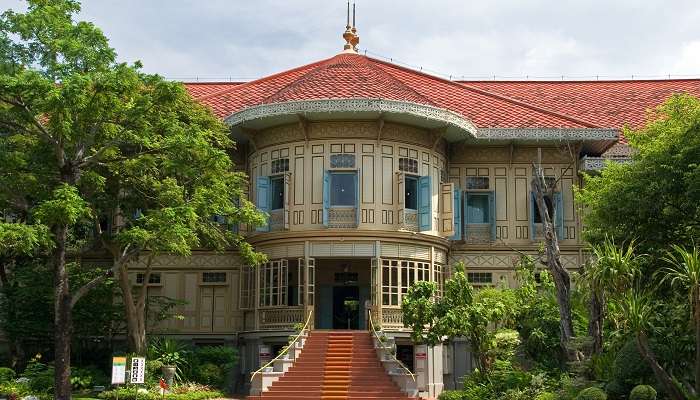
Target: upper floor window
<point>277,192</point>
<point>550,209</point>
<point>343,189</point>
<point>411,192</point>
<point>342,161</point>
<point>478,208</point>
<point>409,165</point>
<point>280,165</point>
<point>477,182</point>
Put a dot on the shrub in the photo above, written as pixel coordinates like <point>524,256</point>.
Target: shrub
<point>86,378</point>
<point>546,396</point>
<point>452,395</point>
<point>643,392</point>
<point>629,368</point>
<point>592,393</point>
<point>14,389</point>
<point>209,374</point>
<point>130,393</point>
<point>6,374</point>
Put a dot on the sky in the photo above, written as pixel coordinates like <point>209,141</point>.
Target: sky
<point>506,39</point>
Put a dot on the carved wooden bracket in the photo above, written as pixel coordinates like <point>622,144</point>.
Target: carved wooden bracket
<point>304,126</point>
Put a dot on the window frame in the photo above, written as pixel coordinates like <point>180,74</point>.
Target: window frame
<point>351,173</point>
<point>276,178</point>
<point>217,283</point>
<point>413,178</point>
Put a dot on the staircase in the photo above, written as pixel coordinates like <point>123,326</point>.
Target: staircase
<point>335,365</point>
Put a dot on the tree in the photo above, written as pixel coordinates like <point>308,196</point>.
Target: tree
<point>612,272</point>
<point>656,197</point>
<point>552,254</point>
<point>106,158</point>
<point>684,272</point>
<point>459,312</point>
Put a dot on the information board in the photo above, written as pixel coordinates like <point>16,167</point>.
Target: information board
<point>138,369</point>
<point>118,370</point>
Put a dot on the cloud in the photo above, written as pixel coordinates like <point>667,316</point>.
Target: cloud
<point>248,39</point>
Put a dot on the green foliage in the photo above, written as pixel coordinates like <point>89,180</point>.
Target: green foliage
<point>6,374</point>
<point>592,393</point>
<point>26,306</point>
<point>209,374</point>
<point>546,396</point>
<point>452,395</point>
<point>195,392</point>
<point>643,392</point>
<point>40,375</point>
<point>15,389</point>
<point>214,365</point>
<point>629,368</point>
<point>87,378</point>
<point>170,352</point>
<point>655,197</point>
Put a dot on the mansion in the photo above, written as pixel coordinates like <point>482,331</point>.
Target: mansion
<point>375,176</point>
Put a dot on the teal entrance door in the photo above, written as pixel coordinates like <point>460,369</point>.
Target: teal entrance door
<point>346,307</point>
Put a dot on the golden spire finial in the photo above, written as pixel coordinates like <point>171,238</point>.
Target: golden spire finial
<point>350,34</point>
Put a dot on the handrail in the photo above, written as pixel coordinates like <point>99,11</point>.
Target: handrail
<point>286,349</point>
<point>371,327</point>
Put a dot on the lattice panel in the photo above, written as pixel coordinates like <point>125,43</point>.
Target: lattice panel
<point>342,218</point>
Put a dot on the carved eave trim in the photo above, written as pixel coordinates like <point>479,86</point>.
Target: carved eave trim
<point>595,164</point>
<point>381,106</point>
<point>548,134</point>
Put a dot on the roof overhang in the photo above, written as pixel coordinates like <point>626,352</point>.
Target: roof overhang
<point>594,140</point>
<point>456,128</point>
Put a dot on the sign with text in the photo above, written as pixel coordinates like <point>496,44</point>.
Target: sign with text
<point>138,369</point>
<point>118,370</point>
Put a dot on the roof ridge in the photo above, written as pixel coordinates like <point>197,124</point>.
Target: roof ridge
<point>578,81</point>
<point>346,58</point>
<point>263,79</point>
<point>490,94</point>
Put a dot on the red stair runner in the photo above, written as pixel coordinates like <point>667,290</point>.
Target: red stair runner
<point>335,365</point>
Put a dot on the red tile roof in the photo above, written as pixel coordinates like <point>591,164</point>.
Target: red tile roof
<point>606,103</point>
<point>199,89</point>
<point>531,104</point>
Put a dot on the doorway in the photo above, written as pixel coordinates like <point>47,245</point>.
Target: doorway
<point>342,288</point>
<point>346,307</point>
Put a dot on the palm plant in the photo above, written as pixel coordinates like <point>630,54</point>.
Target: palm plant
<point>613,271</point>
<point>684,272</point>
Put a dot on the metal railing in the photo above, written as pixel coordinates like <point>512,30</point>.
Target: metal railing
<point>286,349</point>
<point>386,349</point>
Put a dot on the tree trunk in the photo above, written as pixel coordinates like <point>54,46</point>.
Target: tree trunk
<point>562,281</point>
<point>134,312</point>
<point>661,375</point>
<point>63,323</point>
<point>595,323</point>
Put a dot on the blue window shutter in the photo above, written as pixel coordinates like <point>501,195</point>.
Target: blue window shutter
<point>425,210</point>
<point>457,209</point>
<point>219,219</point>
<point>326,196</point>
<point>263,200</point>
<point>559,218</point>
<point>492,214</point>
<point>533,209</point>
<point>357,198</point>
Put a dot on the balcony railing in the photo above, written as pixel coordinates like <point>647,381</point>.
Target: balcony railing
<point>281,318</point>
